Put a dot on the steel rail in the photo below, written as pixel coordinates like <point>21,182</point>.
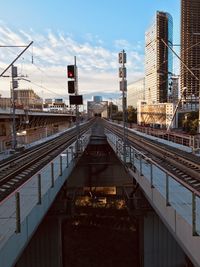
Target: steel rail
<point>34,160</point>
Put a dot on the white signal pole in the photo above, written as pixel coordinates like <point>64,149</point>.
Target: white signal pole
<point>123,88</point>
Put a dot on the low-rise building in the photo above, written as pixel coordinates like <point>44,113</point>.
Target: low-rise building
<point>55,105</point>
<point>155,115</point>
<point>27,99</point>
<point>5,102</point>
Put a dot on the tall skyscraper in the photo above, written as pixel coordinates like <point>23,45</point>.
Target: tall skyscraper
<point>135,92</point>
<point>158,58</point>
<point>190,49</point>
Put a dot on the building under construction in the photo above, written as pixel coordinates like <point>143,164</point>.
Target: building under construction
<point>158,59</point>
<point>190,51</point>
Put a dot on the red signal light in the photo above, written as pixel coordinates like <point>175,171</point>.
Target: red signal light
<point>71,71</point>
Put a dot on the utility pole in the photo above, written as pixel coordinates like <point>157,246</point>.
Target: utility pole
<point>123,88</point>
<point>14,84</point>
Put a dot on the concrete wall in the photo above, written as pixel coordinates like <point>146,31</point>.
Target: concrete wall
<point>45,248</point>
<point>159,247</point>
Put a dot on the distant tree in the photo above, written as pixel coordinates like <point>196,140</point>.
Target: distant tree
<point>112,110</point>
<point>190,122</point>
<point>132,114</point>
<point>118,116</point>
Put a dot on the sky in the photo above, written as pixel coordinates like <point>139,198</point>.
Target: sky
<point>93,31</point>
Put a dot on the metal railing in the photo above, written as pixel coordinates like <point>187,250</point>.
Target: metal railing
<point>177,193</point>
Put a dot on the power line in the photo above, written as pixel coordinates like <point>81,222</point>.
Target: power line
<point>43,87</point>
<point>44,72</point>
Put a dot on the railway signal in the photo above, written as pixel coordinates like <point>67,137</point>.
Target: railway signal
<point>74,97</point>
<point>71,71</point>
<point>122,72</point>
<point>122,57</point>
<point>72,74</point>
<point>71,87</point>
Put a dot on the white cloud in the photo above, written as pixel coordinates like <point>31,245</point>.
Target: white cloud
<point>52,52</point>
<point>122,44</point>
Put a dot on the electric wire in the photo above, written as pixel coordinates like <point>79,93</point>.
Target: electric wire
<point>42,71</point>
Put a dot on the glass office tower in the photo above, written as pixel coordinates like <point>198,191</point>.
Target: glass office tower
<point>158,58</point>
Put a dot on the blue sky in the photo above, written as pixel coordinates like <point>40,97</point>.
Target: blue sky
<point>92,30</point>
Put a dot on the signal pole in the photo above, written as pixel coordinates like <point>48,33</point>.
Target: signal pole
<point>123,88</point>
<point>77,107</point>
<point>75,99</point>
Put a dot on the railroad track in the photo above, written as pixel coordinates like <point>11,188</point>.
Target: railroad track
<point>183,165</point>
<point>18,169</point>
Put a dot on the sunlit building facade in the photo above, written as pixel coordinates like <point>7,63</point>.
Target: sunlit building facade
<point>158,59</point>
<point>190,50</point>
<point>27,98</point>
<point>5,102</point>
<point>155,115</point>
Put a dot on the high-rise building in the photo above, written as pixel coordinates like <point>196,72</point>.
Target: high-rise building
<point>158,58</point>
<point>135,92</point>
<point>97,99</point>
<point>190,50</point>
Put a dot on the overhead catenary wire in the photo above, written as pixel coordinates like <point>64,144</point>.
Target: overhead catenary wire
<point>45,88</point>
<point>39,68</point>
